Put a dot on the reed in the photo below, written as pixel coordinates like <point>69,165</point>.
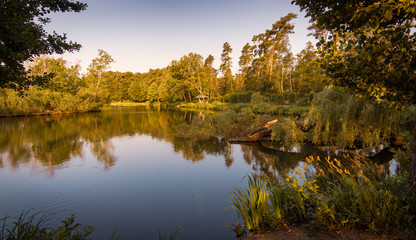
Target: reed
<point>251,203</point>
<point>341,194</point>
<point>172,236</point>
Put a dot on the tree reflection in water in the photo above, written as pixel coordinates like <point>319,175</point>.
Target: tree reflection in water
<point>52,141</point>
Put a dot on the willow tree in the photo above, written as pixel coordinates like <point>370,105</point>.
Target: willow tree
<point>370,50</point>
<point>345,121</point>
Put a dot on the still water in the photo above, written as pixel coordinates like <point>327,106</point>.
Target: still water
<point>127,169</point>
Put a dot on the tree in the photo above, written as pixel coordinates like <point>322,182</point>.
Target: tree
<point>97,67</point>
<point>211,75</point>
<point>269,50</point>
<point>225,69</point>
<point>370,51</point>
<point>308,76</point>
<point>22,35</point>
<point>188,72</point>
<point>245,61</point>
<point>62,78</point>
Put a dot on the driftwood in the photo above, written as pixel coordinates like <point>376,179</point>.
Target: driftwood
<point>260,132</point>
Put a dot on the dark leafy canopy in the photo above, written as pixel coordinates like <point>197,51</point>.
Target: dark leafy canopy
<point>371,46</point>
<point>22,36</point>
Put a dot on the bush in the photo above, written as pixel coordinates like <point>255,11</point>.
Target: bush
<point>238,97</point>
<point>276,98</point>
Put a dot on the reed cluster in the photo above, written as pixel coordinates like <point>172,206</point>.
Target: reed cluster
<point>352,193</point>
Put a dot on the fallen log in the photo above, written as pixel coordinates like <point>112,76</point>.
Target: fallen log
<point>255,137</point>
<point>257,133</point>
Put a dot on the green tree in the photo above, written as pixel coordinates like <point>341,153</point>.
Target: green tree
<point>308,77</point>
<point>270,48</point>
<point>245,61</point>
<point>138,89</point>
<point>62,78</point>
<point>211,75</point>
<point>22,36</point>
<point>370,50</point>
<point>225,69</point>
<point>97,68</point>
<point>189,76</point>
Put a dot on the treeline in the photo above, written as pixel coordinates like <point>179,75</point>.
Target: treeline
<point>267,67</point>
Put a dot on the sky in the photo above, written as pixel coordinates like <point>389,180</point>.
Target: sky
<point>149,34</point>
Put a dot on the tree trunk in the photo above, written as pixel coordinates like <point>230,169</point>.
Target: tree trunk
<point>281,84</point>
<point>412,169</point>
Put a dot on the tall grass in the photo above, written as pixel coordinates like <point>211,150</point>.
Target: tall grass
<point>172,236</point>
<point>35,226</point>
<point>350,194</point>
<point>251,203</point>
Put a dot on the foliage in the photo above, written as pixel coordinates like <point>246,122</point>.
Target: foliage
<point>35,226</point>
<point>227,124</point>
<point>350,194</point>
<point>357,194</point>
<point>238,97</point>
<point>286,132</point>
<point>172,236</point>
<point>344,120</point>
<point>23,36</point>
<point>36,100</point>
<point>370,47</point>
<point>251,204</point>
<point>226,84</point>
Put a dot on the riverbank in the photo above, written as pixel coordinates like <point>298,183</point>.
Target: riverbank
<point>306,232</point>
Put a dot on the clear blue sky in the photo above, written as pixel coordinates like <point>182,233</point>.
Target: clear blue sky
<point>145,34</point>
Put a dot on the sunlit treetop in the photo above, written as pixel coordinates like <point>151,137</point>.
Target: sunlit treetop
<point>368,47</point>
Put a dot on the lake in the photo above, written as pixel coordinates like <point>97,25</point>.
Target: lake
<point>127,169</point>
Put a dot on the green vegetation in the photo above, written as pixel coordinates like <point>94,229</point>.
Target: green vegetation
<point>172,236</point>
<point>352,193</point>
<point>367,47</point>
<point>345,93</point>
<point>23,37</point>
<point>36,227</point>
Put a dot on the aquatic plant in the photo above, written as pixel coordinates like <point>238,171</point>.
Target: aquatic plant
<point>251,203</point>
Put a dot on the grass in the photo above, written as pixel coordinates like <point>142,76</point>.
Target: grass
<point>172,236</point>
<point>340,195</point>
<point>251,203</point>
<point>129,104</point>
<point>35,226</point>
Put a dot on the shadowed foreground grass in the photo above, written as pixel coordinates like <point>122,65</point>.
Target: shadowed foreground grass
<point>35,226</point>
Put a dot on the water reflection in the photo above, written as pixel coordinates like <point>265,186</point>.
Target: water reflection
<point>53,141</point>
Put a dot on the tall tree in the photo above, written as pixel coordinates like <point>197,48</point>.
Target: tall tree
<point>308,77</point>
<point>270,48</point>
<point>211,74</point>
<point>98,67</point>
<point>188,72</point>
<point>245,61</point>
<point>371,50</point>
<point>225,68</point>
<point>22,35</point>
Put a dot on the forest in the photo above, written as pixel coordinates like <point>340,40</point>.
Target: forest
<point>266,66</point>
